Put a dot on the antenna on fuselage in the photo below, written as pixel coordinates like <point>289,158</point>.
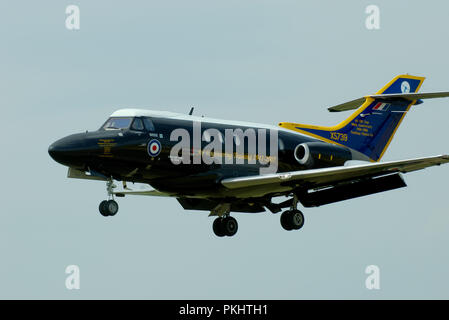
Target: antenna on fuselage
<point>191,111</point>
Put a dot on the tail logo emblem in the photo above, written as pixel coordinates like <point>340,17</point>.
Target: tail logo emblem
<point>405,87</point>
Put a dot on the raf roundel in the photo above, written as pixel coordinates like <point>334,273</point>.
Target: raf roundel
<point>154,148</point>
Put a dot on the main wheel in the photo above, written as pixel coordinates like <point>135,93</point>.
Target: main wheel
<point>102,208</point>
<point>285,220</point>
<point>292,220</point>
<point>217,227</point>
<point>297,219</point>
<point>229,226</point>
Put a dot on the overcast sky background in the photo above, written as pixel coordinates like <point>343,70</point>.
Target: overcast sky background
<point>260,61</point>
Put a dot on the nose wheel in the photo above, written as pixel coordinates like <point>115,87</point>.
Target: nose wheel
<point>109,208</point>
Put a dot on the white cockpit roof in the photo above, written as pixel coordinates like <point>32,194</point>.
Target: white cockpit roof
<point>144,113</point>
<point>181,116</point>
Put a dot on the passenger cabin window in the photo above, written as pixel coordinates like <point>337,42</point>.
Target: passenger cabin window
<point>117,123</point>
<point>149,124</point>
<point>137,124</point>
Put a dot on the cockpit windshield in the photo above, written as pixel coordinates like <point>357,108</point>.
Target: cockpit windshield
<point>117,123</point>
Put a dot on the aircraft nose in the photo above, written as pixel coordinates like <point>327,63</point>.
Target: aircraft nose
<point>58,151</point>
<point>53,150</point>
<point>70,151</point>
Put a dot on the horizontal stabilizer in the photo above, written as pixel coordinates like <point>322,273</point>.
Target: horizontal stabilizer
<point>350,105</point>
<point>354,104</point>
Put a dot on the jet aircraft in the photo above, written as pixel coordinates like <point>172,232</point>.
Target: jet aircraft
<point>224,166</point>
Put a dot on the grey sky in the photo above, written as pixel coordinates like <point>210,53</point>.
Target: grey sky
<point>260,61</point>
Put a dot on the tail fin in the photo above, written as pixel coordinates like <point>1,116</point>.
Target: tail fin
<point>371,128</point>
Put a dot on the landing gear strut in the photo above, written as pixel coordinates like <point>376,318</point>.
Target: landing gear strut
<point>109,207</point>
<point>292,219</point>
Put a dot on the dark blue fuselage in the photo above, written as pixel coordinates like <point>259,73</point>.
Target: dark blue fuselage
<point>126,154</point>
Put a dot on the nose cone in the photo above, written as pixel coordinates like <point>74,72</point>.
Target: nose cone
<point>53,151</point>
<point>70,151</point>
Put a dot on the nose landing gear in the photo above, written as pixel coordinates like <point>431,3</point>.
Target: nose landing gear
<point>109,208</point>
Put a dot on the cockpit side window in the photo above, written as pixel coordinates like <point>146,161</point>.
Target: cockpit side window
<point>149,125</point>
<point>137,124</point>
<point>117,123</point>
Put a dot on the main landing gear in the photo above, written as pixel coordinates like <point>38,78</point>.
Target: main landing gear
<point>109,207</point>
<point>292,219</point>
<point>224,225</point>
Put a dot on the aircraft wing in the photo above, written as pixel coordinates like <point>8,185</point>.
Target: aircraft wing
<point>315,178</point>
<point>153,193</point>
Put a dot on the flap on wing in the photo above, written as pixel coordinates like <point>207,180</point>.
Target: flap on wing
<point>354,104</point>
<point>351,190</point>
<point>329,176</point>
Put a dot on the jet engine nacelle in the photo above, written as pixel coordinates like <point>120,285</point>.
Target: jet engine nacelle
<point>320,154</point>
